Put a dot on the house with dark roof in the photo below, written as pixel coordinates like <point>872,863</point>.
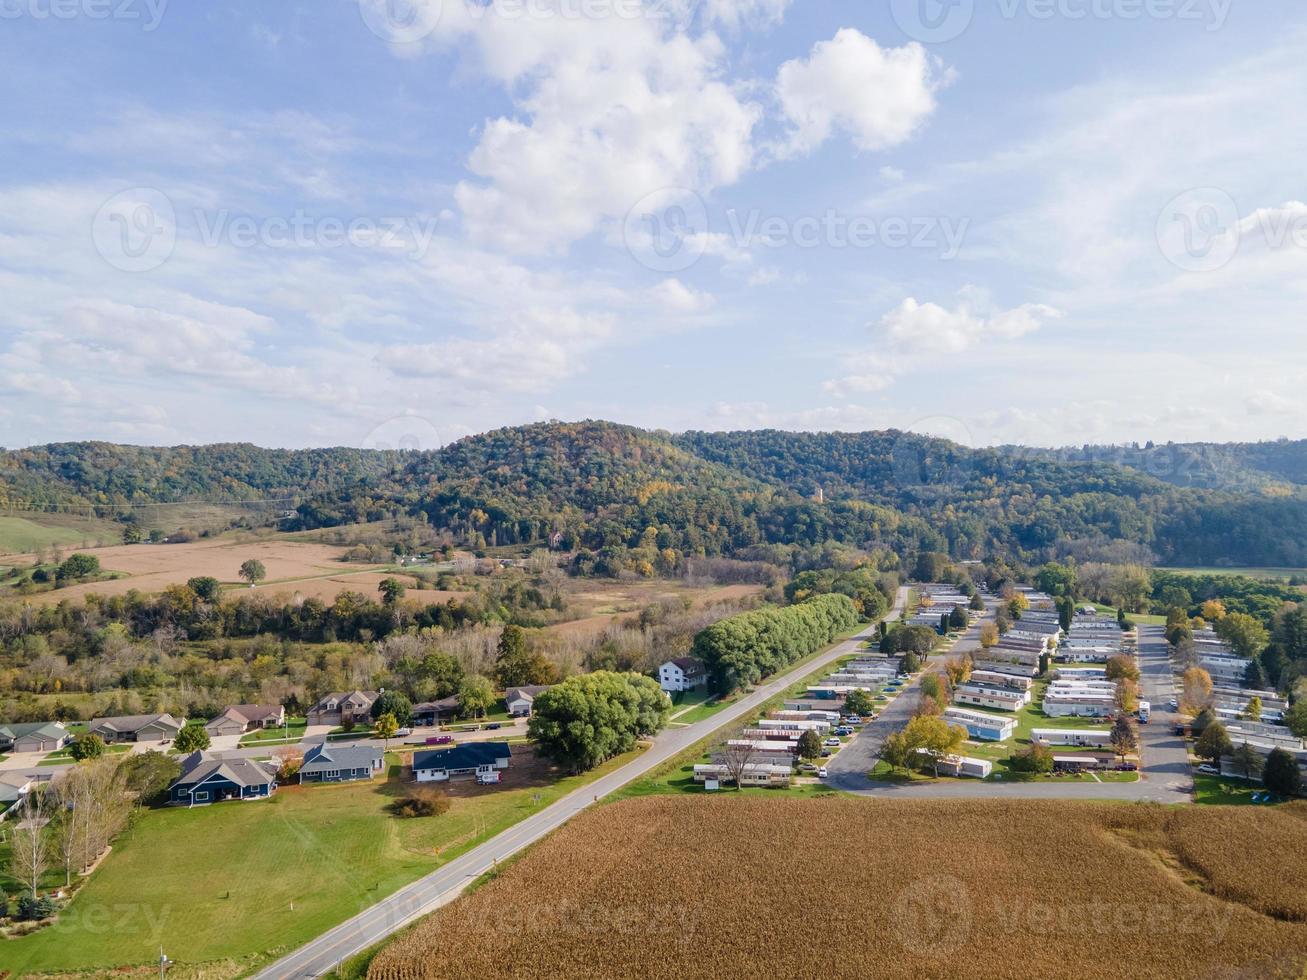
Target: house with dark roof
<point>520,701</point>
<point>482,761</point>
<point>430,713</point>
<point>137,728</point>
<point>39,736</point>
<point>241,718</point>
<point>212,779</point>
<point>325,763</point>
<point>340,707</point>
<point>682,674</point>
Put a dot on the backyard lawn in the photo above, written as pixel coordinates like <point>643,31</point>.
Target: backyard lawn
<point>294,729</point>
<point>240,883</point>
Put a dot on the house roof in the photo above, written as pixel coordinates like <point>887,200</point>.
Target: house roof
<point>690,665</point>
<point>199,767</point>
<point>467,756</point>
<point>324,757</point>
<point>50,729</point>
<point>134,723</point>
<point>366,697</point>
<point>529,692</point>
<point>444,704</point>
<point>251,712</point>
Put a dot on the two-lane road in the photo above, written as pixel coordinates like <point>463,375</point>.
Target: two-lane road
<point>425,895</point>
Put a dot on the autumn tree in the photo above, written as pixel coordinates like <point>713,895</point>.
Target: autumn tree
<point>988,635</point>
<point>1124,737</point>
<point>1119,667</point>
<point>1127,696</point>
<point>385,728</point>
<point>1196,690</point>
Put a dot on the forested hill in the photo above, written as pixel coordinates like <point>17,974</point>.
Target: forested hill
<point>607,485</point>
<point>1219,466</point>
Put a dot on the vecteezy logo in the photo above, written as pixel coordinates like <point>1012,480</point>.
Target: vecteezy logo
<point>401,21</point>
<point>667,231</point>
<point>933,916</point>
<point>933,21</point>
<point>408,432</point>
<point>1198,231</point>
<point>923,465</point>
<point>136,230</point>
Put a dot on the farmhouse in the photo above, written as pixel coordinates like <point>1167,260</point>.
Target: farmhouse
<point>137,728</point>
<point>41,736</point>
<point>981,726</point>
<point>241,718</point>
<point>682,674</point>
<point>340,763</point>
<point>211,779</point>
<point>1089,738</point>
<point>480,760</point>
<point>341,707</point>
<point>521,700</point>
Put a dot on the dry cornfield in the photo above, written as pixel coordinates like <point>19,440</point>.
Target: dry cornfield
<point>746,887</point>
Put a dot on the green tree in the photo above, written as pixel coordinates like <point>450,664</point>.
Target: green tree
<point>78,566</point>
<point>809,746</point>
<point>192,738</point>
<point>252,571</point>
<point>1247,637</point>
<point>957,619</point>
<point>936,737</point>
<point>86,747</point>
<point>1037,758</point>
<point>392,590</point>
<point>385,728</point>
<point>895,751</point>
<point>859,702</point>
<point>1214,744</point>
<point>1119,667</point>
<point>205,587</point>
<point>516,664</point>
<point>1247,760</point>
<point>396,704</point>
<point>1057,580</point>
<point>148,774</point>
<point>132,534</point>
<point>977,603</point>
<point>1253,711</point>
<point>590,718</point>
<point>475,696</point>
<point>1296,718</point>
<point>1282,774</point>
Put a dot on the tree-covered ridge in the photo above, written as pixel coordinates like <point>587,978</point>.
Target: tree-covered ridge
<point>599,485</point>
<point>101,474</point>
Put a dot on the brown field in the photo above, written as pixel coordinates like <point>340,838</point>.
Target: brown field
<point>292,566</point>
<point>603,603</point>
<point>748,887</point>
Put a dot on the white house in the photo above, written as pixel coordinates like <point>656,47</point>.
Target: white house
<point>682,674</point>
<point>481,760</point>
<point>1090,738</point>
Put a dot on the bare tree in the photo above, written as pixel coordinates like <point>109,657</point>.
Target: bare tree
<point>736,756</point>
<point>30,849</point>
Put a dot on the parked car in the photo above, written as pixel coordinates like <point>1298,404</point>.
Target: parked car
<point>834,743</point>
<point>493,726</point>
<point>1209,770</point>
<point>807,767</point>
<point>821,773</point>
<point>1173,704</point>
<point>844,731</point>
<point>853,720</point>
<point>441,740</point>
<point>401,732</point>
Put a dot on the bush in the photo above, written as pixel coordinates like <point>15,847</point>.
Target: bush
<point>33,909</point>
<point>421,803</point>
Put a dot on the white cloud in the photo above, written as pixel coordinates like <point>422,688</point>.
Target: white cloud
<point>878,96</point>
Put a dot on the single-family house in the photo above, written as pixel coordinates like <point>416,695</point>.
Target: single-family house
<point>521,700</point>
<point>341,707</point>
<point>137,728</point>
<point>480,760</point>
<point>682,674</point>
<point>39,736</point>
<point>430,713</point>
<point>325,763</point>
<point>241,718</point>
<point>212,779</point>
<point>14,786</point>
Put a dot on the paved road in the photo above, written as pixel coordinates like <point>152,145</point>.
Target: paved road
<point>1166,777</point>
<point>425,895</point>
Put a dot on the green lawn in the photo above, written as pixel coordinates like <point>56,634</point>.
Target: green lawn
<point>18,534</point>
<point>1226,790</point>
<point>245,882</point>
<point>294,731</point>
<point>63,756</point>
<point>1283,574</point>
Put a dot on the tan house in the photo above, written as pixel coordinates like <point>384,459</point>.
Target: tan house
<point>137,728</point>
<point>241,718</point>
<point>341,706</point>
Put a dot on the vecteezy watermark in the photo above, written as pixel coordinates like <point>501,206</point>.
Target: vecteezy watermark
<point>932,455</point>
<point>1198,231</point>
<point>938,21</point>
<point>136,230</point>
<point>932,916</point>
<point>401,21</point>
<point>409,432</point>
<point>148,13</point>
<point>669,231</point>
<point>1197,922</point>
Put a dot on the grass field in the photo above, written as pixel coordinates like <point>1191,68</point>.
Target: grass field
<point>1022,889</point>
<point>239,883</point>
<point>22,534</point>
<point>1283,574</point>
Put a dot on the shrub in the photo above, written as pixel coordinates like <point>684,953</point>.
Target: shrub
<point>32,909</point>
<point>421,803</point>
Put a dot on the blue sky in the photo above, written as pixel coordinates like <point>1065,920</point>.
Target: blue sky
<point>362,222</point>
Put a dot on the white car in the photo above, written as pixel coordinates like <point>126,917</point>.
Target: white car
<point>1209,770</point>
<point>832,743</point>
<point>401,732</point>
<point>821,773</point>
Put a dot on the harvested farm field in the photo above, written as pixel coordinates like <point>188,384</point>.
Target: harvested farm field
<point>744,887</point>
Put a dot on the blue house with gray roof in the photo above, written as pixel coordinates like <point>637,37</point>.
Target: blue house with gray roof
<point>207,779</point>
<point>340,763</point>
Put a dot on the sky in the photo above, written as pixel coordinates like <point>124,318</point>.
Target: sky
<point>395,223</point>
